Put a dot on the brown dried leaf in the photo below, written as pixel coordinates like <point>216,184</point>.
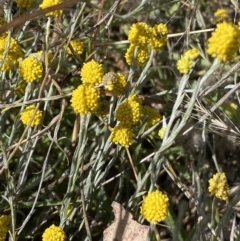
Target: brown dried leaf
<point>124,228</point>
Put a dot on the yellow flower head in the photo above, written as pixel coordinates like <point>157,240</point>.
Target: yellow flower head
<point>54,233</point>
<point>155,206</point>
<point>114,83</point>
<point>184,65</point>
<point>142,54</point>
<point>221,14</point>
<point>159,37</point>
<point>77,45</point>
<point>4,223</point>
<point>85,99</point>
<point>139,34</point>
<point>223,44</point>
<point>31,69</point>
<point>27,113</point>
<point>161,132</point>
<point>50,3</point>
<point>122,135</point>
<point>14,53</point>
<point>218,186</point>
<point>153,117</point>
<point>92,73</point>
<point>24,3</point>
<point>192,53</point>
<point>129,112</point>
<point>3,22</point>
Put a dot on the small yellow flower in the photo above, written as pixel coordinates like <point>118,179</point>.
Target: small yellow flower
<point>155,206</point>
<point>221,14</point>
<point>4,223</point>
<point>224,42</point>
<point>129,112</point>
<point>142,54</point>
<point>13,54</point>
<point>159,37</point>
<point>92,73</point>
<point>50,3</point>
<point>153,117</point>
<point>184,65</point>
<point>114,82</point>
<point>218,186</point>
<point>161,132</point>
<point>3,22</point>
<point>122,135</point>
<point>30,69</point>
<point>192,53</point>
<point>54,233</point>
<point>27,113</point>
<point>24,3</point>
<point>85,99</point>
<point>140,33</point>
<point>77,45</point>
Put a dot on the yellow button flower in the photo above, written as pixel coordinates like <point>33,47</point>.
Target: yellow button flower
<point>27,113</point>
<point>184,65</point>
<point>85,99</point>
<point>31,69</point>
<point>152,116</point>
<point>221,14</point>
<point>122,135</point>
<point>50,3</point>
<point>114,83</point>
<point>54,233</point>
<point>140,33</point>
<point>155,206</point>
<point>224,42</point>
<point>77,45</point>
<point>92,73</point>
<point>4,223</point>
<point>24,3</point>
<point>142,54</point>
<point>218,186</point>
<point>129,112</point>
<point>159,37</point>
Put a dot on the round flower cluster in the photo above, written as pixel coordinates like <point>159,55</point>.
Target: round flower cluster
<point>129,112</point>
<point>77,45</point>
<point>155,206</point>
<point>85,99</point>
<point>24,3</point>
<point>153,117</point>
<point>114,83</point>
<point>141,57</point>
<point>221,14</point>
<point>27,113</point>
<point>50,3</point>
<point>218,186</point>
<point>185,63</point>
<point>224,42</point>
<point>122,135</point>
<point>31,69</point>
<point>161,132</point>
<point>14,53</point>
<point>92,73</point>
<point>143,36</point>
<point>4,223</point>
<point>54,233</point>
